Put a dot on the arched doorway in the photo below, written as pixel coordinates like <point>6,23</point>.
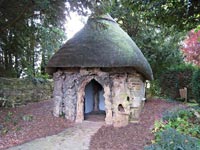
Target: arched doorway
<point>94,102</point>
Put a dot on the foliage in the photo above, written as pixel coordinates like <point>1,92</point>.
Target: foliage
<point>38,79</point>
<point>159,44</point>
<point>170,139</point>
<point>179,127</point>
<point>197,28</point>
<point>24,27</point>
<point>177,112</point>
<point>11,122</point>
<point>185,121</point>
<point>191,47</point>
<point>182,14</point>
<point>161,48</point>
<point>196,85</point>
<point>32,31</point>
<point>4,130</point>
<point>157,27</point>
<point>8,119</point>
<point>154,89</point>
<point>27,117</point>
<point>15,92</point>
<point>176,78</point>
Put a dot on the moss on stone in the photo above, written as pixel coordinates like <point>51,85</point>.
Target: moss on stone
<point>21,91</point>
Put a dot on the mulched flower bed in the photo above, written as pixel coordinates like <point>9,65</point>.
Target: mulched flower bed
<point>133,136</point>
<point>25,123</point>
<point>35,120</point>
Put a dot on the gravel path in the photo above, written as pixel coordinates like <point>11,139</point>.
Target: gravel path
<point>19,131</point>
<point>74,138</point>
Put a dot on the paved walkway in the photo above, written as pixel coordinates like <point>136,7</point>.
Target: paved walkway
<point>74,138</point>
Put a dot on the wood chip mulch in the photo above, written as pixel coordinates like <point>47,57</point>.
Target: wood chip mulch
<point>133,136</point>
<point>25,123</point>
<point>35,120</point>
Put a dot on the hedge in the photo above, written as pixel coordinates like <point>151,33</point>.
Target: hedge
<point>177,78</point>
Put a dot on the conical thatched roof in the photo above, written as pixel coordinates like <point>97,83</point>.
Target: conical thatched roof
<point>101,43</point>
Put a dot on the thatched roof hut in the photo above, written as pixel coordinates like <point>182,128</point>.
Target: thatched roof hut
<point>101,43</point>
<point>99,69</point>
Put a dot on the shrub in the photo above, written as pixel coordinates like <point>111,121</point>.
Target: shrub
<point>196,85</point>
<point>170,139</point>
<point>27,117</point>
<point>154,89</point>
<point>183,120</point>
<point>177,78</point>
<point>176,112</point>
<point>179,129</point>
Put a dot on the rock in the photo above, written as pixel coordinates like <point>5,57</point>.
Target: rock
<point>125,89</point>
<point>15,92</point>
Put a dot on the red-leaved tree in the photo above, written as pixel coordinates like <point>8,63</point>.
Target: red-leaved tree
<point>191,47</point>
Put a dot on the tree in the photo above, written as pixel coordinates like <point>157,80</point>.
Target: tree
<point>20,32</point>
<point>159,43</point>
<point>31,31</point>
<point>196,85</point>
<point>191,47</point>
<point>182,14</point>
<point>157,27</point>
<point>161,48</point>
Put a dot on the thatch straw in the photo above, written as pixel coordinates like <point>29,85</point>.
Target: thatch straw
<point>101,43</point>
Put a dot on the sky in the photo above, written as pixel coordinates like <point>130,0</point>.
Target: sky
<point>74,24</point>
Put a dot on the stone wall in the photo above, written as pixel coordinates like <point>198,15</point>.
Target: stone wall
<point>124,92</point>
<point>14,92</point>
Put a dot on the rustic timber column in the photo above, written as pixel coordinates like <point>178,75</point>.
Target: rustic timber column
<point>80,105</point>
<point>57,93</point>
<point>108,105</point>
<point>80,100</point>
<point>70,95</point>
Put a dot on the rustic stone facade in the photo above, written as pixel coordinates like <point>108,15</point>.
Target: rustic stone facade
<point>15,92</point>
<point>124,92</point>
<point>99,69</point>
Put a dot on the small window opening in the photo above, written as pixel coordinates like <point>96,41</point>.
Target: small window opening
<point>128,99</point>
<point>121,108</point>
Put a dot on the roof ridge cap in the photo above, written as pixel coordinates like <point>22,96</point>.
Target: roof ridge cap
<point>102,17</point>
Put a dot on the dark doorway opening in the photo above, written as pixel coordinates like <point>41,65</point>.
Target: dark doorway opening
<point>94,104</point>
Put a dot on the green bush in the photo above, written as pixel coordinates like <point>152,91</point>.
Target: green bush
<point>176,112</point>
<point>177,78</point>
<point>196,85</point>
<point>179,129</point>
<point>154,89</point>
<point>183,120</point>
<point>27,117</point>
<point>170,139</point>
